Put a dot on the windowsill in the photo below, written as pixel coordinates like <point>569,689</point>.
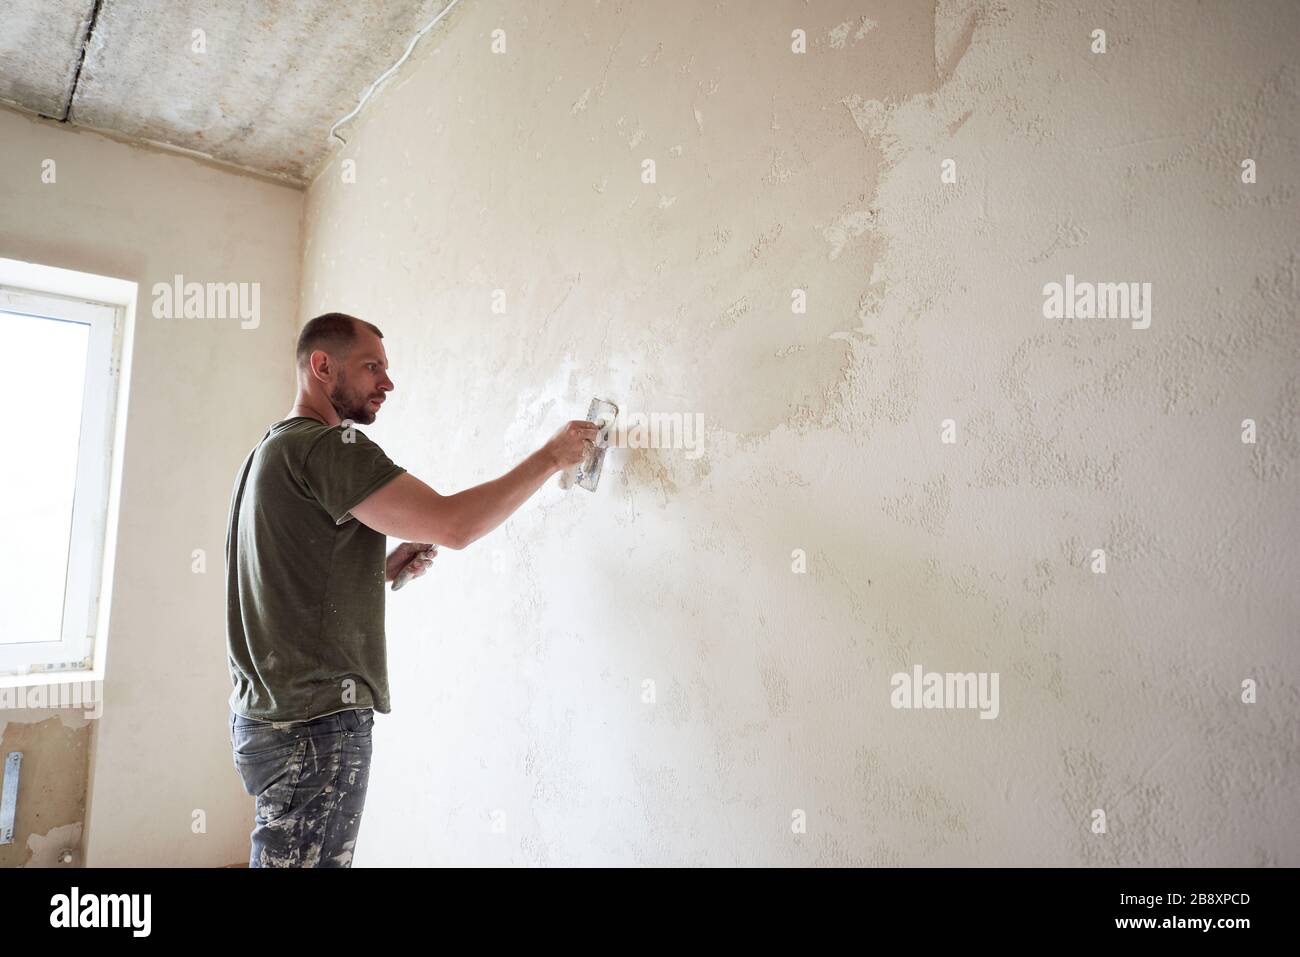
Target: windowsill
<point>36,679</point>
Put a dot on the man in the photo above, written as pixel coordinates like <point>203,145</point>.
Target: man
<point>305,573</point>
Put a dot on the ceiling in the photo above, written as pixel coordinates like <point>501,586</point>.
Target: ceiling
<point>270,79</point>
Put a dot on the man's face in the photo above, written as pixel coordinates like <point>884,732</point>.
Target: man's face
<point>362,380</point>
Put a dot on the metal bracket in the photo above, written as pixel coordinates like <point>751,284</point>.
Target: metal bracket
<point>9,796</point>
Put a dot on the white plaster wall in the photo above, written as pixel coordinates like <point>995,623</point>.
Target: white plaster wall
<point>203,392</point>
<point>519,734</point>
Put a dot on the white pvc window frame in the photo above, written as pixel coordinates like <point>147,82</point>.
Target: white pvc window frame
<point>107,307</point>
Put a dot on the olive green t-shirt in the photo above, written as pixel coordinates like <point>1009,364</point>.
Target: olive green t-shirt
<point>304,579</point>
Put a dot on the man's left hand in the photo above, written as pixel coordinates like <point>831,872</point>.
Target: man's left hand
<point>409,552</point>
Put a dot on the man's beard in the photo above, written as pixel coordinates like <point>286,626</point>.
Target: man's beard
<point>348,407</point>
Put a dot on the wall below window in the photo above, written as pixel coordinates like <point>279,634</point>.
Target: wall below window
<point>203,392</point>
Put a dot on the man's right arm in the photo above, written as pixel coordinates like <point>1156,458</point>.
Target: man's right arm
<point>408,509</point>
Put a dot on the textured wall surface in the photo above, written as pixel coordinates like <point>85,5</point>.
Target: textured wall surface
<point>202,393</point>
<point>522,731</point>
<point>51,800</point>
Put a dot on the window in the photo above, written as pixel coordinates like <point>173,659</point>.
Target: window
<point>56,473</point>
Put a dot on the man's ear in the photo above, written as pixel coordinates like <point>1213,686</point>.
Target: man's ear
<point>321,369</point>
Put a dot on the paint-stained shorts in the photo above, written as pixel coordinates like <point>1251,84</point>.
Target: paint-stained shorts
<point>309,778</point>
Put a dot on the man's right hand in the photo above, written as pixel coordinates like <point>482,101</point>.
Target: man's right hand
<point>567,446</point>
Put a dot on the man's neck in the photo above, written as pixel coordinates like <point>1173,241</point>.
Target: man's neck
<point>303,407</point>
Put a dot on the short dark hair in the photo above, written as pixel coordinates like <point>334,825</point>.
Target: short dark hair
<point>333,332</point>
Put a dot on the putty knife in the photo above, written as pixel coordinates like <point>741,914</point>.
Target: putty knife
<point>587,472</point>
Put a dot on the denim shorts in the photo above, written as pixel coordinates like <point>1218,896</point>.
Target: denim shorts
<point>309,779</point>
